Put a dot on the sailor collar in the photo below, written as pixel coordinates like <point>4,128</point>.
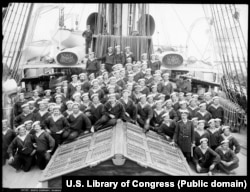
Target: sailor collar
<point>143,105</point>
<point>38,134</point>
<point>227,137</point>
<point>203,150</point>
<point>193,108</point>
<point>203,113</point>
<point>96,105</point>
<point>76,115</point>
<point>42,113</point>
<point>212,130</point>
<point>216,106</point>
<point>22,137</point>
<point>56,118</point>
<point>158,112</point>
<point>200,132</point>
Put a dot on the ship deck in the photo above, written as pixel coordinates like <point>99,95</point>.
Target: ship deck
<point>11,179</point>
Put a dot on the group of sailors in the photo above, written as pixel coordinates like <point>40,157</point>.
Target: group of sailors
<point>137,93</point>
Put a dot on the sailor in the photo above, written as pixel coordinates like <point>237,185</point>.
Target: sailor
<point>170,110</point>
<point>96,109</point>
<point>229,161</point>
<point>208,99</point>
<point>55,125</point>
<point>214,135</point>
<point>44,145</point>
<point>24,116</point>
<point>144,89</point>
<point>203,114</point>
<point>128,54</point>
<point>36,97</point>
<point>148,77</point>
<point>47,95</point>
<point>119,56</point>
<point>218,126</point>
<point>195,122</point>
<point>17,106</point>
<point>181,96</point>
<point>21,150</point>
<point>7,137</point>
<point>60,103</point>
<point>192,108</point>
<point>77,99</point>
<point>205,159</point>
<point>157,81</point>
<point>50,107</point>
<point>157,118</point>
<point>87,34</point>
<point>183,108</point>
<point>154,92</point>
<point>92,65</point>
<point>136,94</point>
<point>188,97</point>
<point>42,114</point>
<point>233,142</point>
<point>32,106</point>
<point>28,127</point>
<point>105,79</point>
<point>129,107</point>
<point>200,133</point>
<point>129,68</point>
<point>79,123</point>
<point>86,102</point>
<point>167,87</point>
<point>216,109</point>
<point>96,89</point>
<point>69,110</point>
<point>131,79</point>
<point>65,93</point>
<point>151,101</point>
<point>119,80</point>
<point>175,101</point>
<point>144,113</point>
<point>91,77</point>
<point>102,69</point>
<point>154,64</point>
<point>184,135</point>
<point>59,92</point>
<point>144,58</point>
<point>195,97</point>
<point>85,84</point>
<point>113,110</point>
<point>72,85</point>
<point>167,127</point>
<point>108,59</point>
<point>144,67</point>
<point>123,75</point>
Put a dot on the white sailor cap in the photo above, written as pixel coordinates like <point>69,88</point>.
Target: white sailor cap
<point>99,77</point>
<point>41,102</point>
<point>125,90</point>
<point>142,95</point>
<point>69,102</point>
<point>158,101</point>
<point>188,94</point>
<point>72,76</point>
<point>46,101</point>
<point>162,96</point>
<point>35,123</point>
<point>154,85</point>
<point>194,119</point>
<point>165,74</point>
<point>65,81</point>
<point>141,80</point>
<point>224,141</point>
<point>137,86</point>
<point>127,47</point>
<point>122,69</point>
<point>183,102</point>
<point>184,112</point>
<point>158,71</point>
<point>111,87</point>
<point>91,53</point>
<point>47,90</point>
<point>82,74</point>
<point>135,65</point>
<point>216,97</point>
<point>20,126</point>
<point>58,87</point>
<point>112,95</point>
<point>201,121</point>
<point>112,78</point>
<point>56,107</point>
<point>148,69</point>
<point>156,74</point>
<point>31,102</point>
<point>192,99</point>
<point>25,105</point>
<point>91,74</point>
<point>202,104</point>
<point>131,75</point>
<point>128,64</point>
<point>35,91</point>
<point>78,85</point>
<point>110,47</point>
<point>203,140</point>
<point>58,96</point>
<point>94,80</point>
<point>51,104</point>
<point>21,93</point>
<point>172,94</point>
<point>195,96</point>
<point>4,120</point>
<point>114,66</point>
<point>105,72</point>
<point>150,95</point>
<point>144,63</point>
<point>211,121</point>
<point>180,94</point>
<point>217,119</point>
<point>94,95</point>
<point>85,95</point>
<point>27,122</point>
<point>225,127</point>
<point>169,101</point>
<point>76,95</point>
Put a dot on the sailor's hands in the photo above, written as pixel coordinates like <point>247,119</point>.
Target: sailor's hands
<point>111,116</point>
<point>198,168</point>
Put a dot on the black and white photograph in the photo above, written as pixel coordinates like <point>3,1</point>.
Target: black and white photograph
<point>133,89</point>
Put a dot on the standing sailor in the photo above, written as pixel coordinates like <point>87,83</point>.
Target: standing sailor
<point>17,106</point>
<point>24,116</point>
<point>87,34</point>
<point>216,109</point>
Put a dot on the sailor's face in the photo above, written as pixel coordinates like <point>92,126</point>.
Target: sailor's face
<point>95,84</point>
<point>204,145</point>
<point>26,109</point>
<point>21,96</point>
<point>158,105</point>
<point>95,99</point>
<point>78,88</point>
<point>148,72</point>
<point>58,90</point>
<point>201,126</point>
<point>74,79</point>
<point>37,128</point>
<point>47,93</point>
<point>169,105</point>
<point>85,98</point>
<point>69,106</point>
<point>153,57</point>
<point>42,106</point>
<point>112,99</point>
<point>129,67</point>
<point>142,83</point>
<point>225,146</point>
<point>28,126</point>
<point>58,100</point>
<point>75,109</point>
<point>36,94</point>
<point>195,122</point>
<point>150,99</point>
<point>143,99</point>
<point>144,66</point>
<point>217,123</point>
<point>56,112</point>
<point>111,90</point>
<point>22,131</point>
<point>216,101</point>
<point>193,103</point>
<point>226,132</point>
<point>212,124</point>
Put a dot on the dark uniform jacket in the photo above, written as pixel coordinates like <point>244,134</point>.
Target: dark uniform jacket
<point>119,58</point>
<point>20,119</point>
<point>145,111</point>
<point>118,110</point>
<point>44,142</point>
<point>167,89</point>
<point>198,137</point>
<point>228,156</point>
<point>192,111</point>
<point>55,125</point>
<point>184,135</point>
<point>216,112</point>
<point>17,107</point>
<point>85,86</point>
<point>7,139</point>
<point>154,65</point>
<point>233,143</point>
<point>129,107</point>
<point>100,93</point>
<point>167,129</point>
<point>96,111</point>
<point>39,117</point>
<point>206,116</point>
<point>79,123</point>
<point>92,65</point>
<point>157,119</point>
<point>214,138</point>
<point>207,158</point>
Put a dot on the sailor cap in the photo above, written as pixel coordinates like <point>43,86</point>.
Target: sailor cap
<point>225,127</point>
<point>162,96</point>
<point>202,104</point>
<point>35,123</point>
<point>46,101</point>
<point>47,90</point>
<point>156,74</point>
<point>127,47</point>
<point>85,95</point>
<point>112,95</point>
<point>78,85</point>
<point>91,74</point>
<point>21,93</point>
<point>158,101</point>
<point>158,71</point>
<point>72,76</point>
<point>94,80</point>
<point>117,46</point>
<point>58,96</point>
<point>194,119</point>
<point>180,94</point>
<point>58,87</point>
<point>148,69</point>
<point>69,102</point>
<point>94,95</point>
<point>217,119</point>
<point>110,47</point>
<point>51,104</point>
<point>143,95</point>
<point>201,121</point>
<point>192,99</point>
<point>211,121</point>
<point>41,102</point>
<point>154,85</point>
<point>203,140</point>
<point>128,64</point>
<point>141,80</point>
<point>27,122</point>
<point>4,120</point>
<point>166,115</point>
<point>25,105</point>
<point>165,74</point>
<point>82,74</point>
<point>195,96</point>
<point>143,54</point>
<point>65,81</point>
<point>76,94</point>
<point>56,107</point>
<point>188,94</point>
<point>105,72</point>
<point>169,101</point>
<point>216,97</point>
<point>125,90</point>
<point>183,102</point>
<point>184,112</point>
<point>150,95</point>
<point>207,93</point>
<point>172,94</point>
<point>20,126</point>
<point>75,103</point>
<point>31,102</point>
<point>35,91</point>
